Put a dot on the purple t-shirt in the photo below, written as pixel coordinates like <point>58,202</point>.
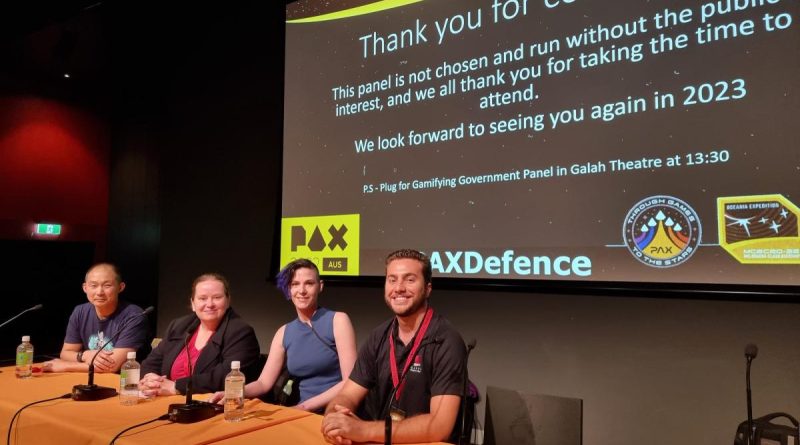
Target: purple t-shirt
<point>87,329</point>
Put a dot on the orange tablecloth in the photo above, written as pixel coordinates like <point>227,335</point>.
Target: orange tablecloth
<point>69,422</point>
<point>299,431</point>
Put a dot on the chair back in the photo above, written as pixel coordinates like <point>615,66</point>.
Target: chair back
<point>516,418</point>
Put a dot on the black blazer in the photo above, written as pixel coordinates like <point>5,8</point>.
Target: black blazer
<point>233,340</point>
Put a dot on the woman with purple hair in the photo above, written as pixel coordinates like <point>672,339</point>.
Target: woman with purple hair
<point>318,347</point>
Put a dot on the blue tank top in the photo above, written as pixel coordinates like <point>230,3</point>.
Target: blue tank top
<point>308,358</point>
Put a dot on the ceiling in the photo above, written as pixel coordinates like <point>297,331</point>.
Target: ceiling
<point>19,18</point>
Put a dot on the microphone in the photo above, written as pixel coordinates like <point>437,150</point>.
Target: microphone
<point>750,352</point>
<point>90,391</point>
<point>387,427</point>
<point>191,411</point>
<point>190,383</point>
<point>465,434</point>
<point>34,308</point>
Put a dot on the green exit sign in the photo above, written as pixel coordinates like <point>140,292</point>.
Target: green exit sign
<point>48,229</point>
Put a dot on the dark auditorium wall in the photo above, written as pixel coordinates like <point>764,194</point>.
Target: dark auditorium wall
<point>654,371</point>
<point>54,167</point>
<point>64,158</point>
<point>55,132</point>
<point>55,149</point>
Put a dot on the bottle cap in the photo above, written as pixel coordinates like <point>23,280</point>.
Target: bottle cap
<point>132,355</point>
<point>235,364</point>
<point>26,338</point>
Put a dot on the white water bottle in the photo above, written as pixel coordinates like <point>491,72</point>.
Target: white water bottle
<point>129,381</point>
<point>234,394</point>
<point>24,358</point>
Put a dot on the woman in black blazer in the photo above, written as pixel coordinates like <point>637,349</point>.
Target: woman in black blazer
<point>211,339</point>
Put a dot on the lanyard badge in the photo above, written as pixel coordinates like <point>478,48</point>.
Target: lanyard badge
<point>396,374</point>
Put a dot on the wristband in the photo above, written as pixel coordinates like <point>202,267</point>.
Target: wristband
<point>79,357</point>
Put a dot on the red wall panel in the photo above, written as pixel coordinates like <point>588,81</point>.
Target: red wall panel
<point>54,167</point>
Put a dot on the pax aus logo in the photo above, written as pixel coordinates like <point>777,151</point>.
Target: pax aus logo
<point>317,242</point>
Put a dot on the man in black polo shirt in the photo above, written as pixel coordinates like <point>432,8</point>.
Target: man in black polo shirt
<point>418,352</point>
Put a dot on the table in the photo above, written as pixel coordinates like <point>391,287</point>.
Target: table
<point>65,421</point>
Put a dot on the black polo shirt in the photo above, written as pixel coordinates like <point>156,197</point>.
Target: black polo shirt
<point>438,368</point>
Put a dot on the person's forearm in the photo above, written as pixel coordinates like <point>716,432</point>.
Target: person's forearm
<point>59,365</point>
<point>70,356</point>
<point>70,363</point>
<point>77,367</point>
<point>321,400</point>
<point>340,400</point>
<point>254,389</point>
<point>119,357</point>
<point>374,430</point>
<point>414,429</point>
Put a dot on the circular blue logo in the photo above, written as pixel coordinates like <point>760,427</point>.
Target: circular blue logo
<point>661,231</point>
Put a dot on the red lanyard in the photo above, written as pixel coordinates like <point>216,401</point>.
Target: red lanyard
<point>393,360</point>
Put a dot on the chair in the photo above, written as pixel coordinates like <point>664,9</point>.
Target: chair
<point>532,419</point>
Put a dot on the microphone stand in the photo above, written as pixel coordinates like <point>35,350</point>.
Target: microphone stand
<point>34,308</point>
<point>750,352</point>
<point>749,406</point>
<point>90,391</point>
<point>191,411</point>
<point>465,434</point>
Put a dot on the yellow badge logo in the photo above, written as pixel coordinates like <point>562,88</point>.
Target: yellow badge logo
<point>760,229</point>
<point>331,242</point>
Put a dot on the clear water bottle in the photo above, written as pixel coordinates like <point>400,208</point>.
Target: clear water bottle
<point>234,394</point>
<point>24,358</point>
<point>129,381</point>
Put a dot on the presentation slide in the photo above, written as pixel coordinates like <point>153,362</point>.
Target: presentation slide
<point>639,141</point>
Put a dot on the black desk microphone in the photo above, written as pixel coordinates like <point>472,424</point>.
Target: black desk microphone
<point>90,391</point>
<point>191,411</point>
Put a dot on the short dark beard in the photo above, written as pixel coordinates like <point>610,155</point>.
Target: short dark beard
<point>413,309</point>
